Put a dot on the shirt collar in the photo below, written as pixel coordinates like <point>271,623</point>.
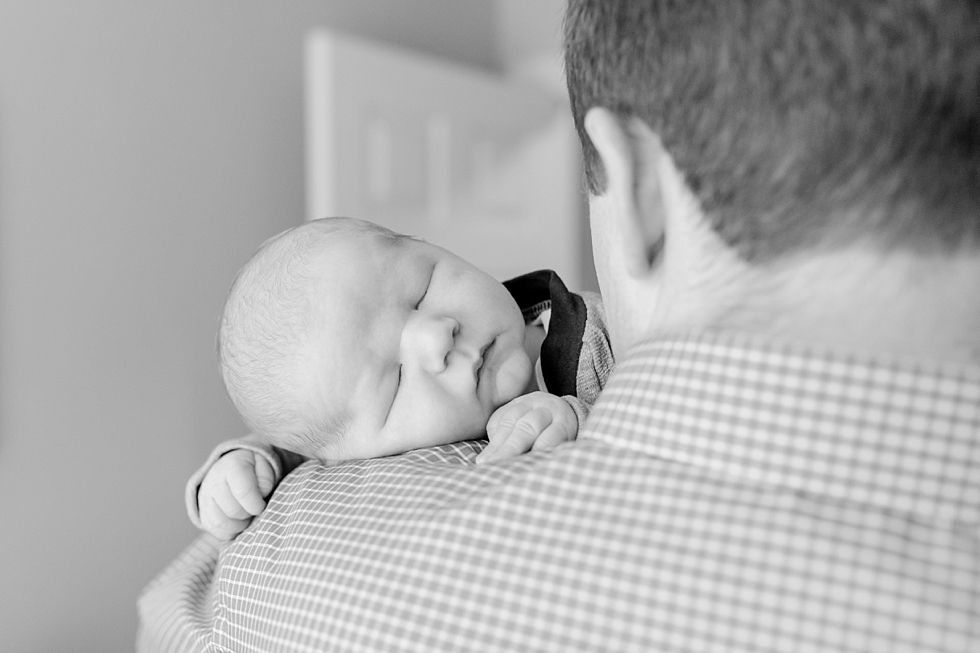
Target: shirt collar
<point>903,434</point>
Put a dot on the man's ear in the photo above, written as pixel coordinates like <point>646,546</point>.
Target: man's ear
<point>631,158</point>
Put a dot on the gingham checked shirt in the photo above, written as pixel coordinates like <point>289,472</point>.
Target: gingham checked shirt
<point>726,494</point>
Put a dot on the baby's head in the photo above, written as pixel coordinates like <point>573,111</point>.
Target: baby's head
<point>343,340</point>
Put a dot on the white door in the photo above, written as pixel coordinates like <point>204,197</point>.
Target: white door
<point>485,167</point>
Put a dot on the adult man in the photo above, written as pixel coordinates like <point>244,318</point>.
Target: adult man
<point>785,208</point>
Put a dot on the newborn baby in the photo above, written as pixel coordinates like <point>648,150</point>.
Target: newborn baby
<point>343,340</point>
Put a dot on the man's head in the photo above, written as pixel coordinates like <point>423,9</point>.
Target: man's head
<point>797,122</point>
<point>341,339</point>
<point>791,127</point>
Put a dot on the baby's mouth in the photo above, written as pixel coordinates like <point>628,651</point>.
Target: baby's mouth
<point>484,356</point>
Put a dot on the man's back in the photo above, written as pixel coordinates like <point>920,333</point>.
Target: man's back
<point>727,495</point>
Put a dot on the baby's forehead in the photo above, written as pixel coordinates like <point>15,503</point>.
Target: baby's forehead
<point>362,262</point>
<point>309,256</point>
<point>355,285</point>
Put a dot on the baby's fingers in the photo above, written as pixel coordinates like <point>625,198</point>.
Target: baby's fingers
<point>563,427</point>
<point>518,439</point>
<point>227,503</point>
<point>218,523</point>
<point>556,433</point>
<point>504,418</point>
<point>247,494</point>
<point>501,423</point>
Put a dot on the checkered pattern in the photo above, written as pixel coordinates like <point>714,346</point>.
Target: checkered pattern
<point>726,495</point>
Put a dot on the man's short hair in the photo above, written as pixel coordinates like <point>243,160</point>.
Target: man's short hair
<point>797,123</point>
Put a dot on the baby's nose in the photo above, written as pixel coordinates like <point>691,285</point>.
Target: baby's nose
<point>435,339</point>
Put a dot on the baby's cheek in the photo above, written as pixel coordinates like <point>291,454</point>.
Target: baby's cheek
<point>512,377</point>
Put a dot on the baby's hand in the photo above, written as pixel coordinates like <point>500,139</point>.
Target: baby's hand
<point>533,421</point>
<point>233,491</point>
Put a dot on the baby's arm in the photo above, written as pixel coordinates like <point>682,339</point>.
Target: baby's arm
<point>231,487</point>
<point>233,491</point>
<point>540,420</point>
<point>534,421</point>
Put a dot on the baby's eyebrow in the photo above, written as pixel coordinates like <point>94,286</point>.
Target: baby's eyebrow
<point>400,240</point>
<point>394,243</point>
<point>393,239</point>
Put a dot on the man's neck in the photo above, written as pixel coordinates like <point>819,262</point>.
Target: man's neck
<point>861,299</point>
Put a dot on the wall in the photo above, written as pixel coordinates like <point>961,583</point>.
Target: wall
<point>529,46</point>
<point>146,149</point>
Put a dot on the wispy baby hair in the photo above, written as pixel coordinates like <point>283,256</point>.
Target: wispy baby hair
<point>264,338</point>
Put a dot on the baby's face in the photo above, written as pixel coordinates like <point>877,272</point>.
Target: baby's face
<point>419,345</point>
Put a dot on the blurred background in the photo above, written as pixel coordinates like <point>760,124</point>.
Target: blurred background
<point>146,150</point>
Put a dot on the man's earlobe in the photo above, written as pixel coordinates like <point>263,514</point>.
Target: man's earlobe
<point>629,153</point>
